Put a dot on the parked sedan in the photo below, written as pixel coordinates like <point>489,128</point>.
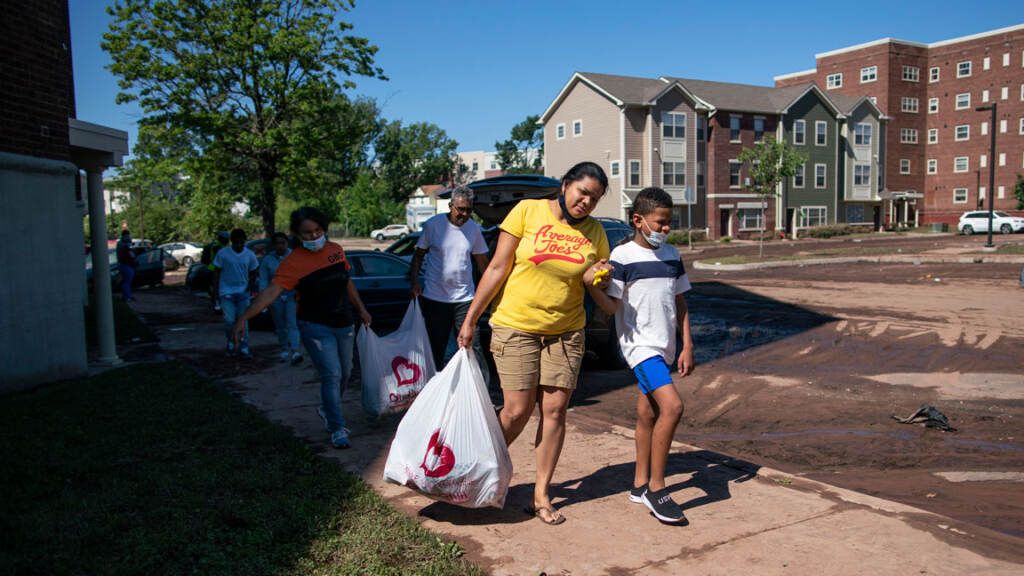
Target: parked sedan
<point>390,231</point>
<point>184,252</point>
<point>971,222</point>
<point>383,283</point>
<point>149,273</point>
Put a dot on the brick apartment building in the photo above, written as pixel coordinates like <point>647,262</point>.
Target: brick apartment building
<point>937,145</point>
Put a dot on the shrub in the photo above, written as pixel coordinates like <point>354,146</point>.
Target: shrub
<point>725,239</point>
<point>829,231</point>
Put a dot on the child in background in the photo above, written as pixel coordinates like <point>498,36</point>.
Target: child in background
<point>646,294</point>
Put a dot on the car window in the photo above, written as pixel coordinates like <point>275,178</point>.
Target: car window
<point>150,257</point>
<point>372,265</point>
<point>405,246</point>
<point>1001,214</point>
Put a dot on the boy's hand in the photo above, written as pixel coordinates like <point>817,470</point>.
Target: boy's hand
<point>685,363</point>
<point>599,275</point>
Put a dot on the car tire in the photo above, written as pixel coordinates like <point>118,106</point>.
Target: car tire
<point>1006,229</point>
<point>186,261</point>
<point>968,230</point>
<point>379,237</point>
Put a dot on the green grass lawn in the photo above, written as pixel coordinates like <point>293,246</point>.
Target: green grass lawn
<point>818,254</point>
<point>1011,249</point>
<point>151,469</point>
<point>127,326</point>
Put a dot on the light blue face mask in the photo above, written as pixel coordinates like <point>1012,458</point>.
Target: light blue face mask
<point>655,239</point>
<point>315,245</point>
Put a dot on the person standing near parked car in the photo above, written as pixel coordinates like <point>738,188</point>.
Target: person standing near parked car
<point>232,272</point>
<point>209,253</point>
<point>328,304</point>
<point>127,264</point>
<point>450,242</point>
<point>547,251</point>
<point>283,308</point>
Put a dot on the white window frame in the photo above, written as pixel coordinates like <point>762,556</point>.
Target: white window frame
<point>982,161</point>
<point>984,128</point>
<point>867,178</point>
<point>1022,92</point>
<point>560,131</point>
<point>614,170</point>
<point>822,216</point>
<point>1021,129</point>
<point>741,214</point>
<point>820,129</point>
<point>962,133</point>
<point>675,175</point>
<point>824,176</point>
<point>963,71</point>
<point>1004,93</point>
<point>868,74</point>
<point>933,135</point>
<point>867,131</point>
<point>673,117</point>
<point>1002,126</point>
<point>933,75</point>
<point>911,73</point>
<point>986,63</point>
<point>1002,159</point>
<point>933,166</point>
<point>577,123</point>
<point>1006,59</point>
<point>959,195</point>
<point>1002,192</point>
<point>909,104</point>
<point>802,172</point>
<point>966,164</point>
<point>739,174</point>
<point>634,170</point>
<point>963,101</point>
<point>908,135</point>
<point>933,105</point>
<point>739,128</point>
<point>904,165</point>
<point>833,81</point>
<point>984,96</point>
<point>802,132</point>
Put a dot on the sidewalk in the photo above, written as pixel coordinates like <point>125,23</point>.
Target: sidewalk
<point>741,517</point>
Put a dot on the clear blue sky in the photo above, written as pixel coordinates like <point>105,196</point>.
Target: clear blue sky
<point>477,68</point>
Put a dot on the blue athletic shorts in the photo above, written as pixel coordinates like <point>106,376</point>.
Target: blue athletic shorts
<point>652,374</point>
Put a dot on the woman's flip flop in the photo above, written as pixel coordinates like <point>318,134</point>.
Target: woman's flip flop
<point>554,518</point>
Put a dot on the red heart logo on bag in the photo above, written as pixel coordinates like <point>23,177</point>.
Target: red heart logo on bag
<point>441,456</point>
<point>406,372</point>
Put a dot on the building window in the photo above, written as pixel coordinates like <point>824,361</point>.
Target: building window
<point>855,214</point>
<point>577,128</point>
<point>963,69</point>
<point>1021,129</point>
<point>933,166</point>
<point>615,169</point>
<point>476,166</point>
<point>758,129</point>
<point>984,128</point>
<point>701,122</point>
<point>811,216</point>
<point>861,175</point>
<point>634,173</point>
<point>869,74</point>
<point>750,218</point>
<point>873,99</point>
<point>985,62</point>
<point>834,81</point>
<point>799,128</point>
<point>959,195</point>
<point>908,135</point>
<point>1002,158</point>
<point>984,96</point>
<point>798,176</point>
<point>862,135</point>
<point>734,129</point>
<point>960,164</point>
<point>819,175</point>
<point>1022,92</point>
<point>1004,93</point>
<point>933,135</point>
<point>673,174</point>
<point>981,193</point>
<point>933,74</point>
<point>1002,192</point>
<point>963,132</point>
<point>908,104</point>
<point>933,105</point>
<point>560,131</point>
<point>904,166</point>
<point>820,133</point>
<point>911,73</point>
<point>1006,59</point>
<point>734,173</point>
<point>700,174</point>
<point>1002,126</point>
<point>982,161</point>
<point>673,125</point>
<point>963,101</point>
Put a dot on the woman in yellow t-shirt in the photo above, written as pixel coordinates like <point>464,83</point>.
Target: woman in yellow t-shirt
<point>547,252</point>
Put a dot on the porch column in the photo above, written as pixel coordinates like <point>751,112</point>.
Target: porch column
<point>102,294</point>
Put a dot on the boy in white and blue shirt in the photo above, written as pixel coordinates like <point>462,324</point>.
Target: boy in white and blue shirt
<point>646,294</point>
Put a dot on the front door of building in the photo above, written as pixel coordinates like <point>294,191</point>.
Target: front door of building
<point>724,222</point>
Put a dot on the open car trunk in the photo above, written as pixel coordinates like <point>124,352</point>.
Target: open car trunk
<point>495,197</point>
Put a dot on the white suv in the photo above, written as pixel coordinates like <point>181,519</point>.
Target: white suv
<point>971,222</point>
<point>390,231</point>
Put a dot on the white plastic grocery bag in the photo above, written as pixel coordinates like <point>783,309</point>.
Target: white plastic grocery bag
<point>449,444</point>
<point>394,368</point>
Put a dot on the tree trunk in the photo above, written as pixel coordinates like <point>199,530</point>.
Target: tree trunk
<point>760,244</point>
<point>268,199</point>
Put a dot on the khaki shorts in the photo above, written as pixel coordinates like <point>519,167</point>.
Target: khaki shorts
<point>526,360</point>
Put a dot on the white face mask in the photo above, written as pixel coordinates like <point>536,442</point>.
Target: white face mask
<point>655,239</point>
<point>315,245</point>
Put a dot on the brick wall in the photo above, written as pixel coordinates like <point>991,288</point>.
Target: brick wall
<point>36,82</point>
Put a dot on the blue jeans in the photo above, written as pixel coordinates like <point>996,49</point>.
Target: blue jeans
<point>232,305</point>
<point>330,349</point>
<point>283,313</point>
<point>127,275</point>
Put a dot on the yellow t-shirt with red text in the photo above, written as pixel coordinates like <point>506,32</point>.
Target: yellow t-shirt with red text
<point>544,292</point>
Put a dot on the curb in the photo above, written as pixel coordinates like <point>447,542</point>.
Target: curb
<point>907,259</point>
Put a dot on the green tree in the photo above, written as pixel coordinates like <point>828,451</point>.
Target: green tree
<point>408,157</point>
<point>1018,192</point>
<point>367,204</point>
<point>514,153</point>
<point>240,76</point>
<point>769,162</point>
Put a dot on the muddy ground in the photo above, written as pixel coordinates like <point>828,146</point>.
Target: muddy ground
<point>801,369</point>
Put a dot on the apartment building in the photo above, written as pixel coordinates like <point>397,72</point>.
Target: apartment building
<point>937,145</point>
<point>484,164</point>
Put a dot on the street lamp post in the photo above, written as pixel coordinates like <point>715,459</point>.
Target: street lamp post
<point>991,168</point>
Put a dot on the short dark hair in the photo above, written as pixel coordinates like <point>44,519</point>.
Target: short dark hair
<point>238,234</point>
<point>277,235</point>
<point>584,170</point>
<point>308,213</point>
<point>649,199</point>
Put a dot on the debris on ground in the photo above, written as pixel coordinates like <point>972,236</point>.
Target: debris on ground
<point>929,416</point>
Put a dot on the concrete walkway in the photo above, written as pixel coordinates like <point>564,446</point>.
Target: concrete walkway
<point>742,518</point>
